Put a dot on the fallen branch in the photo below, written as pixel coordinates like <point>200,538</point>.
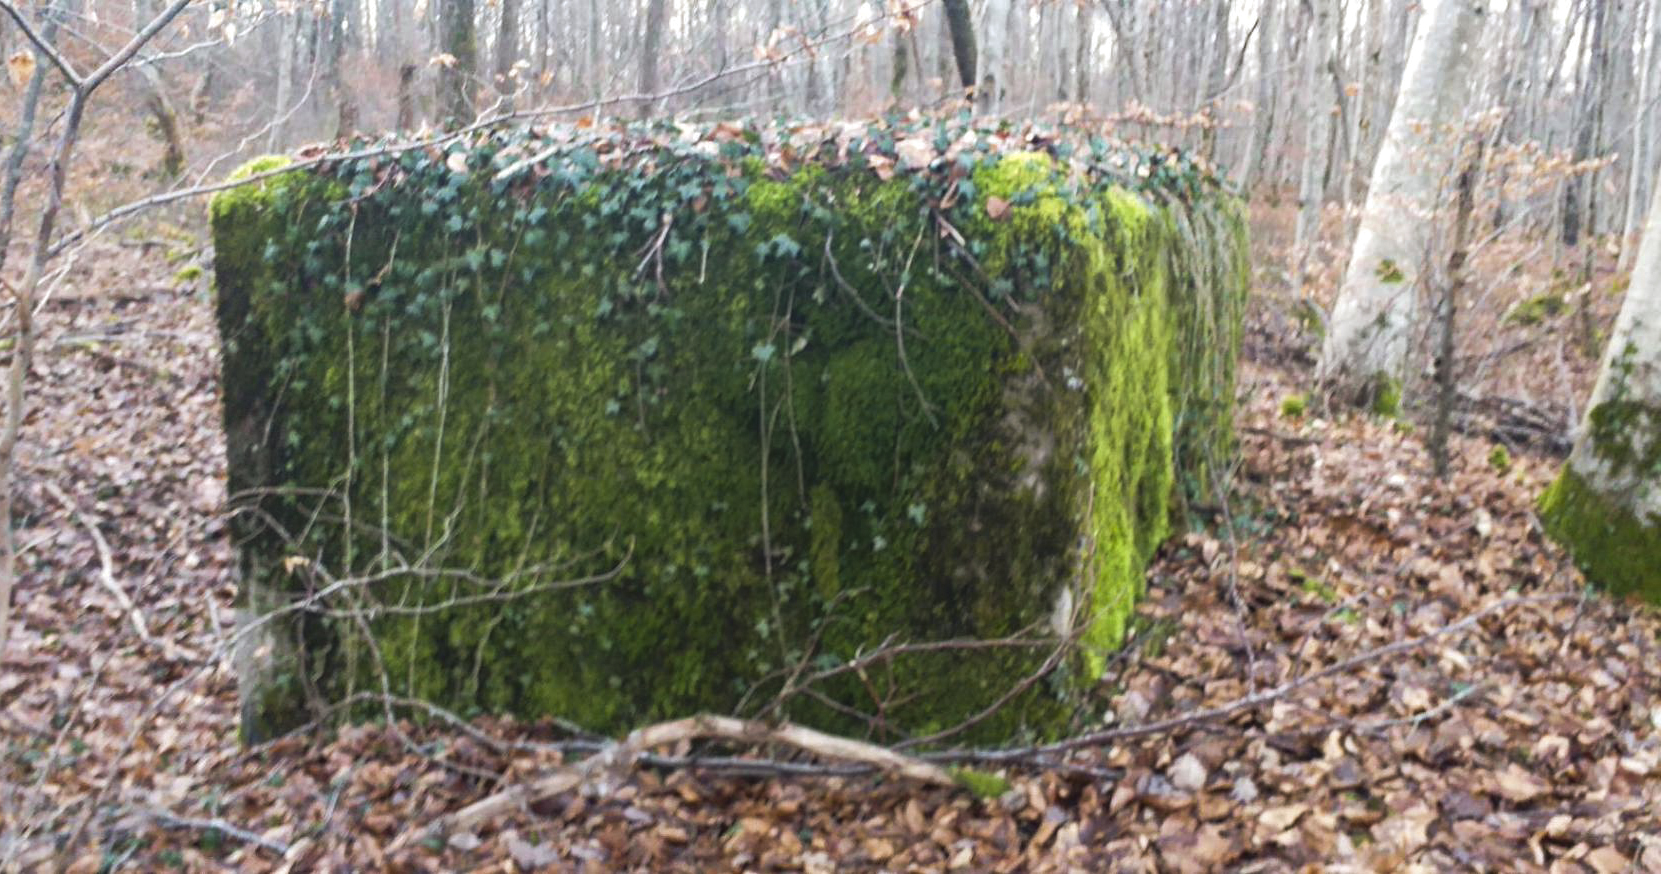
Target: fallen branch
<point>168,820</point>
<point>624,754</point>
<point>106,576</point>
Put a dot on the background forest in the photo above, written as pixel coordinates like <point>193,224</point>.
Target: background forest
<point>1365,654</point>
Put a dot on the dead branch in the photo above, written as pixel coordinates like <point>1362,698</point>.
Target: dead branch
<point>168,820</point>
<point>106,575</point>
<point>705,726</point>
<point>42,45</point>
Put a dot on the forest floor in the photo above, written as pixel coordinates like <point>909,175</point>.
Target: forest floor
<point>1438,690</point>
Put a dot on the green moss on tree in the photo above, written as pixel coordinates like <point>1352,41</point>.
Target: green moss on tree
<point>1613,546</point>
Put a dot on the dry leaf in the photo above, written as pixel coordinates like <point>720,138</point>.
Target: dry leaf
<point>1519,786</point>
<point>1607,860</point>
<point>997,208</point>
<point>915,153</point>
<point>21,65</point>
<point>1282,818</point>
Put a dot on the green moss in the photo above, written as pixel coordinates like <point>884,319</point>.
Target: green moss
<point>189,273</point>
<point>980,783</point>
<point>1293,406</point>
<point>788,421</point>
<point>1626,435</point>
<point>1537,309</point>
<point>1615,548</point>
<point>1499,458</point>
<point>1386,395</point>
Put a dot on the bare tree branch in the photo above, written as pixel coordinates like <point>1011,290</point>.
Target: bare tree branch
<point>42,45</point>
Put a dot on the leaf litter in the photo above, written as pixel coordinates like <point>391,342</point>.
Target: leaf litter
<point>1529,742</point>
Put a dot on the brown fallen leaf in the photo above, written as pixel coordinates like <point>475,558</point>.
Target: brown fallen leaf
<point>1607,860</point>
<point>20,66</point>
<point>1518,785</point>
<point>1282,818</point>
<point>997,209</point>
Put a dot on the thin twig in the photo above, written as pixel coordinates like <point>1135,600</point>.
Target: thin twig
<point>106,576</point>
<point>168,820</point>
<point>42,45</point>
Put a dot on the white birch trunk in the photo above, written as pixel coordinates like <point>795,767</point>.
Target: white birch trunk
<point>1317,54</point>
<point>1643,130</point>
<point>994,32</point>
<point>1250,168</point>
<point>1606,505</point>
<point>1377,309</point>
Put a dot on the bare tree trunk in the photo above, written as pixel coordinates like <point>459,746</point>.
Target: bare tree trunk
<point>345,103</point>
<point>596,51</point>
<point>23,138</point>
<point>1366,350</point>
<point>288,46</point>
<point>1084,66</point>
<point>649,54</point>
<point>900,68</point>
<point>406,98</point>
<point>1251,165</point>
<point>1216,75</point>
<point>456,80</point>
<point>1128,49</point>
<point>1447,371</point>
<point>1574,206</point>
<point>1312,187</point>
<point>994,53</point>
<point>165,119</point>
<point>961,24</point>
<point>507,50</point>
<point>1638,181</point>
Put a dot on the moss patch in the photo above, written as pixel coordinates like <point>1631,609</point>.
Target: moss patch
<point>1615,548</point>
<point>619,445</point>
<point>1537,309</point>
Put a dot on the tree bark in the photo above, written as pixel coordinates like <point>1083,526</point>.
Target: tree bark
<point>507,47</point>
<point>1574,207</point>
<point>1366,352</point>
<point>1263,112</point>
<point>406,98</point>
<point>1606,504</point>
<point>288,45</point>
<point>994,49</point>
<point>1638,182</point>
<point>652,46</point>
<point>456,80</point>
<point>1317,133</point>
<point>1084,67</point>
<point>961,24</point>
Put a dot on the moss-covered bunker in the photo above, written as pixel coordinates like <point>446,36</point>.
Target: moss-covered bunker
<point>622,424</point>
